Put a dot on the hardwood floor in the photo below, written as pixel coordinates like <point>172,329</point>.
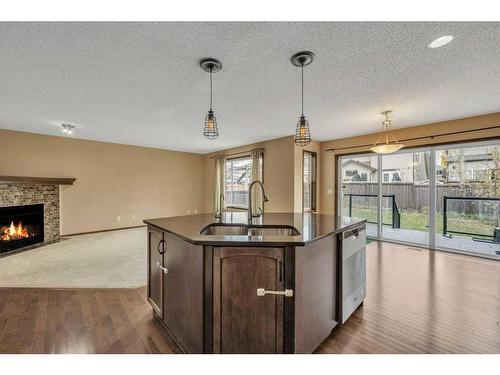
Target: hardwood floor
<point>421,301</point>
<point>78,321</point>
<point>418,301</point>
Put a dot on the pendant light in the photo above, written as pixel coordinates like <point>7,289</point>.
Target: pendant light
<point>302,132</point>
<point>210,130</point>
<point>386,142</point>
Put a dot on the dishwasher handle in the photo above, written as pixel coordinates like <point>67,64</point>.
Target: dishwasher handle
<point>351,233</point>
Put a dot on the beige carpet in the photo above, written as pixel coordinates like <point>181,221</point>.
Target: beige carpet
<point>103,260</point>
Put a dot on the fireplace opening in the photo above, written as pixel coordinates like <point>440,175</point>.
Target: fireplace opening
<point>20,226</point>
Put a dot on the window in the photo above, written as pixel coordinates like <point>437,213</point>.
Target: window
<point>391,175</point>
<point>309,165</point>
<point>355,175</point>
<point>238,178</point>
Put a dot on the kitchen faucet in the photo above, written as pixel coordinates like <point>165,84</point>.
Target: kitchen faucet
<point>264,196</point>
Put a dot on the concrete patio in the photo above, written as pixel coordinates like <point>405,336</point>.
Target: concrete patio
<point>421,238</point>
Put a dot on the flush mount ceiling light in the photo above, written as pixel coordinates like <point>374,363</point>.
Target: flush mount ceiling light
<point>386,142</point>
<point>441,41</point>
<point>302,132</point>
<point>210,130</point>
<point>67,128</point>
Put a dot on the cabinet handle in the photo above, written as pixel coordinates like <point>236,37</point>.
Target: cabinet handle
<point>287,292</point>
<point>160,243</point>
<point>164,269</point>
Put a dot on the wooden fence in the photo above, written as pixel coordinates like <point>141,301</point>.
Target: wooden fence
<point>408,195</point>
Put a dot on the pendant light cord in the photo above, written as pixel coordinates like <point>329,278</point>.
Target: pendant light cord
<point>302,67</point>
<point>211,88</point>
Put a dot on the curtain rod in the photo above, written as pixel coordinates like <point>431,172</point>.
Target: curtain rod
<point>237,153</point>
<point>417,138</point>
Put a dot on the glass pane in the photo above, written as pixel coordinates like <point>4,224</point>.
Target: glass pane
<point>359,190</point>
<point>405,197</point>
<point>468,198</point>
<point>238,178</point>
<point>309,184</point>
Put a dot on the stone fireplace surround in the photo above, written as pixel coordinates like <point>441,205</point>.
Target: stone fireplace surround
<point>18,194</point>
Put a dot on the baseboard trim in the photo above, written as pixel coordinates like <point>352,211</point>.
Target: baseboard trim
<point>101,231</point>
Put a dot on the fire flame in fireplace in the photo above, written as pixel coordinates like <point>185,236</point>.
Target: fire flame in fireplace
<point>13,232</point>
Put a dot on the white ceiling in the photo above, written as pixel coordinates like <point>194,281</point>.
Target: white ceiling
<point>140,83</point>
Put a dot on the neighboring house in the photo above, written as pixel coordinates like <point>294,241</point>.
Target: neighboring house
<point>410,167</point>
<point>471,164</point>
<point>358,170</point>
<point>391,175</point>
<point>468,164</point>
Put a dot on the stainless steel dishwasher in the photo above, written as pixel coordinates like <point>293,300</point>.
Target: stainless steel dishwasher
<point>353,270</point>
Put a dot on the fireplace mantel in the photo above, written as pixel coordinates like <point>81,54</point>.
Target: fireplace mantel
<point>37,180</point>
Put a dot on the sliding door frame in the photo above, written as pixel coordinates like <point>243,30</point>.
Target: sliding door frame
<point>432,190</point>
<point>338,190</point>
<point>380,223</point>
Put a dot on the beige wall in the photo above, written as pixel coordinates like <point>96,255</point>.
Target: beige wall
<point>431,132</point>
<point>111,180</point>
<point>278,173</point>
<point>136,182</point>
<point>283,170</point>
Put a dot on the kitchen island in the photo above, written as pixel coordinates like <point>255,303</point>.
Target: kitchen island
<point>224,285</point>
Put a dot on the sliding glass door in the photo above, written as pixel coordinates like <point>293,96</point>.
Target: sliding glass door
<point>445,197</point>
<point>468,198</point>
<point>405,197</point>
<point>359,180</point>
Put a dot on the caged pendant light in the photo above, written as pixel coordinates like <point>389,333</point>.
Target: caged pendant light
<point>210,131</point>
<point>386,142</point>
<point>302,132</point>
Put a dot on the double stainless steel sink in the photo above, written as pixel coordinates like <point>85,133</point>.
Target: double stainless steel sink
<point>248,230</point>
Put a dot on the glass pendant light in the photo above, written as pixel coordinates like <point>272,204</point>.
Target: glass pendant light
<point>302,132</point>
<point>210,130</point>
<point>386,142</point>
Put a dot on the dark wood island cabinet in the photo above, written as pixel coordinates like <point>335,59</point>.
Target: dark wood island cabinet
<point>228,287</point>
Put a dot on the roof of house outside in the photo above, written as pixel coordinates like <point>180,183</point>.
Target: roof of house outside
<point>349,161</point>
<point>467,158</point>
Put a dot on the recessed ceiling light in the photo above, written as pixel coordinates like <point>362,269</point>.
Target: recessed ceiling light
<point>441,41</point>
<point>67,128</point>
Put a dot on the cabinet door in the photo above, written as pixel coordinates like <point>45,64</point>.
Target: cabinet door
<point>244,322</point>
<point>155,272</point>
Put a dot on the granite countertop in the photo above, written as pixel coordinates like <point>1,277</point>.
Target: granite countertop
<point>310,225</point>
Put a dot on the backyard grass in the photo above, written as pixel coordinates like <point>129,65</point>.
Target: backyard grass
<point>417,220</point>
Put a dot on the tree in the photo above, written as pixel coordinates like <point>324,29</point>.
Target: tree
<point>456,171</point>
<point>489,186</point>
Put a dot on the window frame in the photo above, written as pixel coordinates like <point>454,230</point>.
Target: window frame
<point>232,206</point>
<point>314,181</point>
<point>244,156</point>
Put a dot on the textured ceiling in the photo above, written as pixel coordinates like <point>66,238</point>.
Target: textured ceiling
<point>140,83</point>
